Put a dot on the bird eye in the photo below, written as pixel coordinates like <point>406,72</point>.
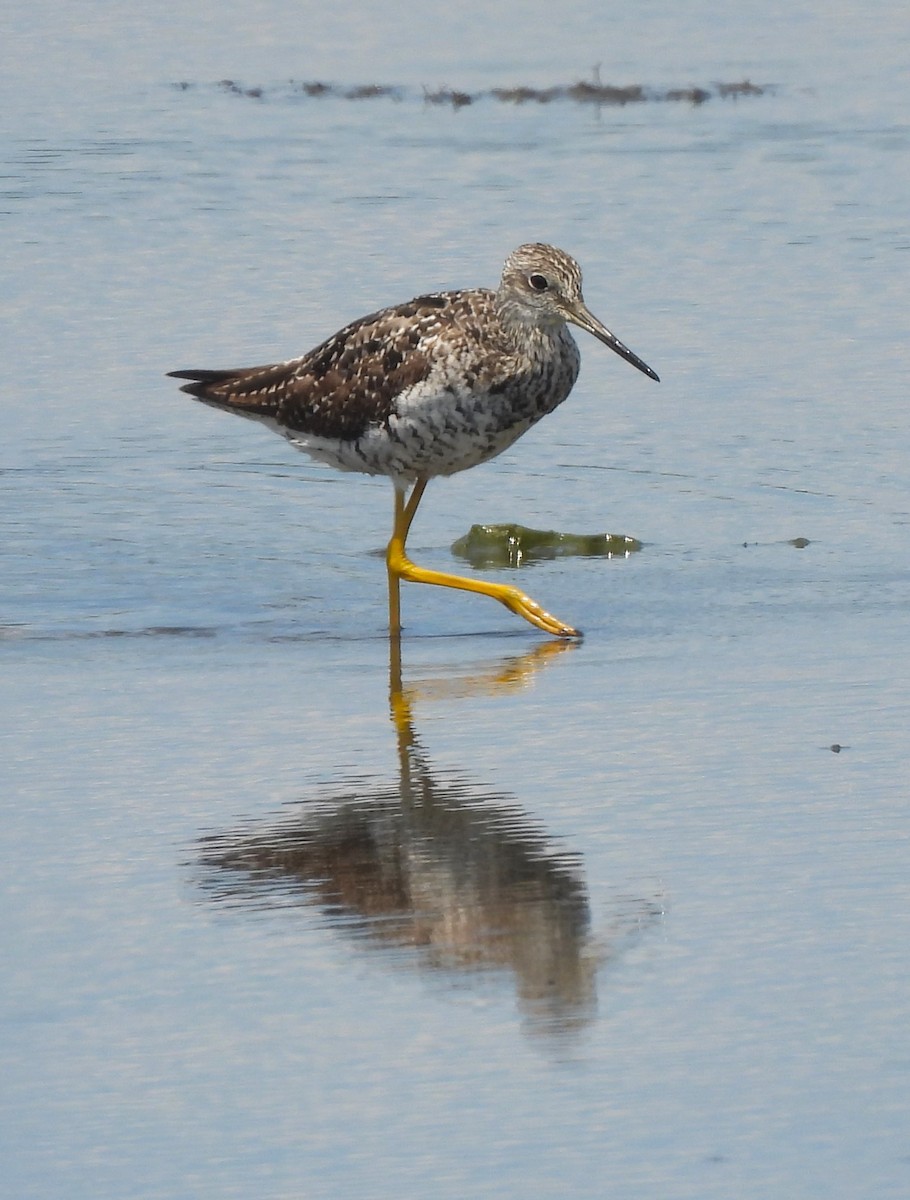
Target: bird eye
<point>538,282</point>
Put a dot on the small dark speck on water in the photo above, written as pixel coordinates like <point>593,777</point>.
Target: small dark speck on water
<point>694,95</point>
<point>799,542</point>
<point>448,96</point>
<point>370,91</point>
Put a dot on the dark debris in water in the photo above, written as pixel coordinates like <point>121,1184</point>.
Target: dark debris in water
<point>513,545</point>
<point>590,92</point>
<point>800,543</point>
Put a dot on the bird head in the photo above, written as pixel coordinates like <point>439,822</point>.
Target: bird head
<point>541,287</point>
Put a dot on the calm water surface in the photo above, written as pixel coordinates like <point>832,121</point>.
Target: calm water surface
<point>285,916</point>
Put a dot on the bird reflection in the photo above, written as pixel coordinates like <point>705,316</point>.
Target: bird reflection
<point>429,866</point>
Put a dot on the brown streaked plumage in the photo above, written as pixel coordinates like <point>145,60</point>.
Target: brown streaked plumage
<point>430,387</point>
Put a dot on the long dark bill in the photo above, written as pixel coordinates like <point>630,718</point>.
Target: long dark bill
<point>586,320</point>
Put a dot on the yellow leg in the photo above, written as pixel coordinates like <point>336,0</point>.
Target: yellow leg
<point>400,567</point>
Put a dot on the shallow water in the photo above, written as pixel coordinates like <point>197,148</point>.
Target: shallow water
<point>505,918</point>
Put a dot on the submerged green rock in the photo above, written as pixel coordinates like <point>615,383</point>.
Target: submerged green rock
<point>512,545</point>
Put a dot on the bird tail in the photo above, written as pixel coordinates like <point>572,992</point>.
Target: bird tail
<point>202,380</point>
<point>248,390</point>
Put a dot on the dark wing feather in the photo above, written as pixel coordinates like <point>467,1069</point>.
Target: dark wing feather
<point>344,385</point>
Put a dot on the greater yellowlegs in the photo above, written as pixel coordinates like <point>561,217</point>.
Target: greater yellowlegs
<point>430,387</point>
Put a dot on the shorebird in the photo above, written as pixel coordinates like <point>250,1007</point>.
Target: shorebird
<point>430,387</point>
